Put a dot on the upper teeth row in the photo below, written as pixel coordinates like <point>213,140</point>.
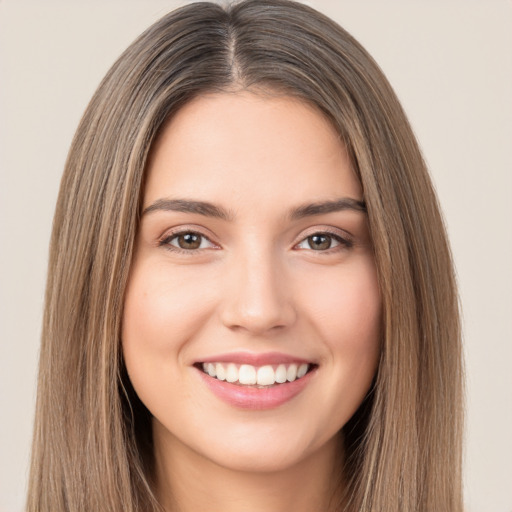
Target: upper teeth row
<point>251,375</point>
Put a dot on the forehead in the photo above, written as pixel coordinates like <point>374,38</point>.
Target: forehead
<point>247,147</point>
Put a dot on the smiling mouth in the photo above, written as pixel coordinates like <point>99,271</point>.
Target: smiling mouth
<point>247,375</point>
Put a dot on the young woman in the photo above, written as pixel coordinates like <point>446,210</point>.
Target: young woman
<point>250,302</point>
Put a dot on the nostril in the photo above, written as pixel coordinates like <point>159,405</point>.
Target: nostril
<point>271,317</point>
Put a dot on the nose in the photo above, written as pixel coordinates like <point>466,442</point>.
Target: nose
<point>256,295</point>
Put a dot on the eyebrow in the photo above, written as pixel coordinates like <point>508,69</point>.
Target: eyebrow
<point>189,206</point>
<point>323,207</point>
<point>211,210</point>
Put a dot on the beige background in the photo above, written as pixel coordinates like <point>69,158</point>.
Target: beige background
<point>451,64</point>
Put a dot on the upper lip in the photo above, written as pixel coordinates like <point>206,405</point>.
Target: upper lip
<point>255,359</point>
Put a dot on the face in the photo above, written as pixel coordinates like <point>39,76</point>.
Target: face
<point>252,316</point>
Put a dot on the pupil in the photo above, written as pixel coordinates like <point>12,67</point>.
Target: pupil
<point>319,242</point>
<point>189,241</point>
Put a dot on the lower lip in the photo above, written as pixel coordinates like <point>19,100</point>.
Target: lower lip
<point>245,397</point>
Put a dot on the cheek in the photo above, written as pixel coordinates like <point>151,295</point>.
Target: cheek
<point>345,309</point>
<point>162,308</point>
<point>162,311</point>
<point>347,306</point>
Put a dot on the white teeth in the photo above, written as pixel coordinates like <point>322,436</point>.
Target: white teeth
<point>249,375</point>
<point>220,371</point>
<point>232,373</point>
<point>265,376</point>
<point>210,368</point>
<point>281,374</point>
<point>291,373</point>
<point>302,370</point>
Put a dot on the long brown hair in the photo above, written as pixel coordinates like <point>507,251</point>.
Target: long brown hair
<point>92,445</point>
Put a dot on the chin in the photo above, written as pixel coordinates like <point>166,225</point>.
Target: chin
<point>257,460</point>
<point>266,450</point>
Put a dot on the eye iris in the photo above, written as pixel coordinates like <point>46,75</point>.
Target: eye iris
<point>189,241</point>
<point>319,242</point>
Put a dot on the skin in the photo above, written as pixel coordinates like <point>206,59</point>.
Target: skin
<point>256,285</point>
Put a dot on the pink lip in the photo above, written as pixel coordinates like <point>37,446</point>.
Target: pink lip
<point>254,359</point>
<point>254,398</point>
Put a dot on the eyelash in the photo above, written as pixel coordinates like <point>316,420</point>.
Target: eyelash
<point>343,242</point>
<point>166,241</point>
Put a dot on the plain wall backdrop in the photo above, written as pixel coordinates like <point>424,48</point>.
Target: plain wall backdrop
<point>451,65</point>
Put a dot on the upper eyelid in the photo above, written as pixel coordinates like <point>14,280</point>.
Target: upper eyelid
<point>179,233</point>
<point>178,230</point>
<point>329,230</point>
<point>341,241</point>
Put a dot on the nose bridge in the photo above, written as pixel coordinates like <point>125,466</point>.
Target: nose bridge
<point>256,293</point>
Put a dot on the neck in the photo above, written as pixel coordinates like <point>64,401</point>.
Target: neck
<point>187,482</point>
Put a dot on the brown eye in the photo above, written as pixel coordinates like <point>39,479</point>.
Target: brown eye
<point>187,241</point>
<point>319,242</point>
<point>324,241</point>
